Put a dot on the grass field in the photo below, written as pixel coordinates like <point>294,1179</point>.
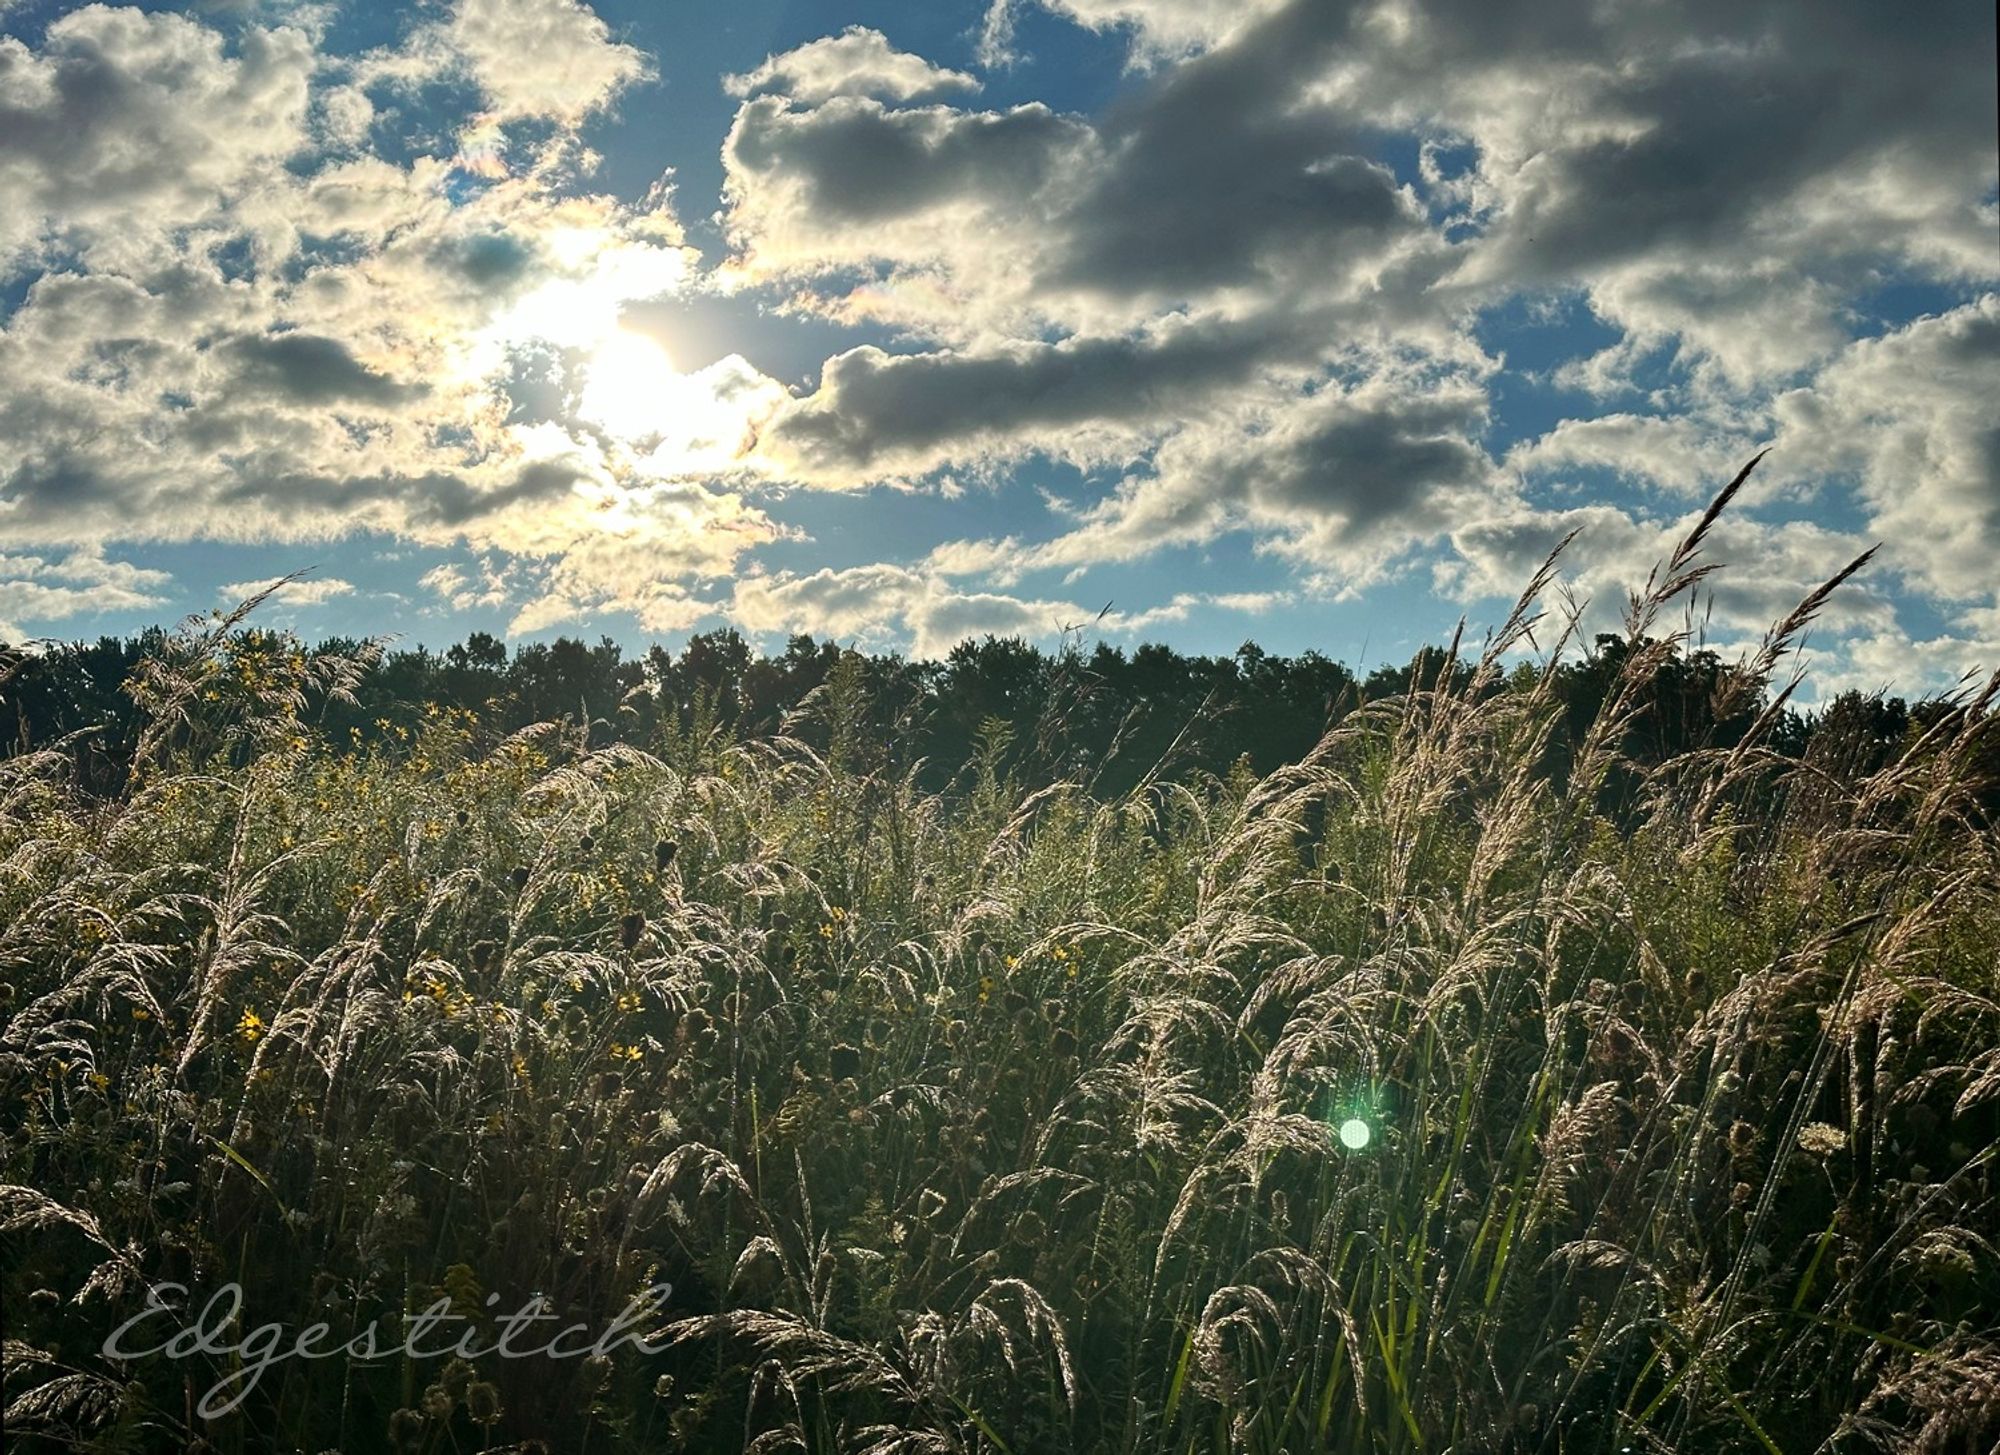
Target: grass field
<point>1401,1101</point>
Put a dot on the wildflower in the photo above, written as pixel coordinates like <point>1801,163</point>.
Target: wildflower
<point>1821,1139</point>
<point>628,1003</point>
<point>250,1026</point>
<point>436,990</point>
<point>98,1080</point>
<point>482,1404</point>
<point>140,1013</point>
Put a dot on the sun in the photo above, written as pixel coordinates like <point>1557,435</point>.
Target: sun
<point>629,386</point>
<point>674,424</point>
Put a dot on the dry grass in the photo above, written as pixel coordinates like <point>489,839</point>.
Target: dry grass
<point>1008,1122</point>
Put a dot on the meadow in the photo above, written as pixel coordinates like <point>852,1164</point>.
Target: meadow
<point>1407,1098</point>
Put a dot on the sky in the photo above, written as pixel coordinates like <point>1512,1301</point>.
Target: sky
<point>1296,321</point>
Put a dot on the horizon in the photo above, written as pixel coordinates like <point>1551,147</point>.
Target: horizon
<point>1306,326</point>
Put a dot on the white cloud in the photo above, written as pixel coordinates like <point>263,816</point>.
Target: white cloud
<point>305,591</point>
<point>123,126</point>
<point>36,589</point>
<point>857,62</point>
<point>552,59</point>
<point>1910,415</point>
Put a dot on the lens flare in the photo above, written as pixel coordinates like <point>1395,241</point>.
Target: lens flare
<point>1354,1134</point>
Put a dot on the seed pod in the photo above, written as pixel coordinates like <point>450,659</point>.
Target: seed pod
<point>462,818</point>
<point>483,952</point>
<point>631,928</point>
<point>586,843</point>
<point>846,1062</point>
<point>519,875</point>
<point>663,853</point>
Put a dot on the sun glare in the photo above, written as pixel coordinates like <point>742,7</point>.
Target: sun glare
<point>677,424</point>
<point>627,384</point>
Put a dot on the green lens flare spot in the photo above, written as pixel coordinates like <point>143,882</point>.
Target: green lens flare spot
<point>1354,1134</point>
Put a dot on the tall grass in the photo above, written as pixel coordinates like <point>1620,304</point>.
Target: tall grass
<point>1012,1120</point>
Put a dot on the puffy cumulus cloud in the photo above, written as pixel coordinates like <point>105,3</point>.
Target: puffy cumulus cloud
<point>1223,185</point>
<point>457,588</point>
<point>943,208</point>
<point>1764,568</point>
<point>1910,417</point>
<point>1679,454</point>
<point>857,62</point>
<point>1161,28</point>
<point>1677,170</point>
<point>1895,662</point>
<point>123,125</point>
<point>37,589</point>
<point>1343,480</point>
<point>878,414</point>
<point>549,60</point>
<point>299,591</point>
<point>887,604</point>
<point>646,546</point>
<point>1725,175</point>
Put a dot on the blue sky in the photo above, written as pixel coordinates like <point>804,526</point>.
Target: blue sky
<point>1308,323</point>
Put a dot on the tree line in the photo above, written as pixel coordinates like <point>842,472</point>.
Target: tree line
<point>1103,716</point>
